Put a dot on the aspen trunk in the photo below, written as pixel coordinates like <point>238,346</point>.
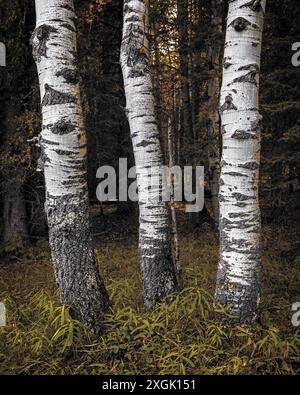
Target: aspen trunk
<point>238,281</point>
<point>63,146</point>
<point>157,270</point>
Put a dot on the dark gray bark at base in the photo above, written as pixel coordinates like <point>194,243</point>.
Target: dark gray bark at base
<point>76,269</point>
<point>158,276</point>
<point>157,267</point>
<point>63,152</point>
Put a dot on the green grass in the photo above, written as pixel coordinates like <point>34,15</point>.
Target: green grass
<point>178,337</point>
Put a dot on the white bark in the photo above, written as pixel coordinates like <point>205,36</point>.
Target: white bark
<point>63,145</point>
<point>157,269</point>
<point>240,230</point>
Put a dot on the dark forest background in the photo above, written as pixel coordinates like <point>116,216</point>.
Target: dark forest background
<point>175,62</point>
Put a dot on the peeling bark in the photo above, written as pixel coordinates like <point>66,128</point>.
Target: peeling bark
<point>63,146</point>
<point>238,280</point>
<point>158,273</point>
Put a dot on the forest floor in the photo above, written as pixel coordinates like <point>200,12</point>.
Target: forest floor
<point>178,337</point>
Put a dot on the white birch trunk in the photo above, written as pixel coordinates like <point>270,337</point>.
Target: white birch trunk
<point>238,282</point>
<point>158,274</point>
<point>63,145</point>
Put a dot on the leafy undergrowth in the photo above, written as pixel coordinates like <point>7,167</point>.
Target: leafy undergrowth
<point>178,337</point>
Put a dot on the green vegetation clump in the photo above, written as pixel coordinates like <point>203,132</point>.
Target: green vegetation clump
<point>179,337</point>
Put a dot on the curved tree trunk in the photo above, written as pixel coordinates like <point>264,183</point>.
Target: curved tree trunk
<point>238,282</point>
<point>63,145</point>
<point>158,274</point>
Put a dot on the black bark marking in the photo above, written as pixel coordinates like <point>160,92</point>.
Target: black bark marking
<point>65,152</point>
<point>238,215</point>
<point>53,96</point>
<point>71,76</point>
<point>67,7</point>
<point>48,142</point>
<point>250,165</point>
<point>240,24</point>
<point>250,76</point>
<point>69,27</point>
<point>235,174</point>
<point>62,127</point>
<point>243,135</point>
<point>228,105</point>
<point>227,62</point>
<point>132,18</point>
<point>254,5</point>
<point>240,196</point>
<point>144,144</point>
<point>135,52</point>
<point>140,116</point>
<point>39,46</point>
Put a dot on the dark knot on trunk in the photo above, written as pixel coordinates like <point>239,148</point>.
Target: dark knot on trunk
<point>240,24</point>
<point>228,105</point>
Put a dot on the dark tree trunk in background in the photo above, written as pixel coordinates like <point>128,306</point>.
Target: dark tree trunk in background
<point>213,127</point>
<point>14,211</point>
<point>186,127</point>
<point>108,135</point>
<point>13,149</point>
